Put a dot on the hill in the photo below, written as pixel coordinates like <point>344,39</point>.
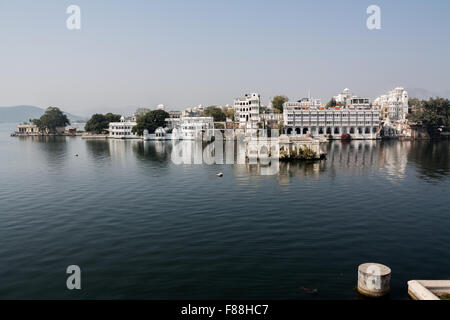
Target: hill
<point>24,113</point>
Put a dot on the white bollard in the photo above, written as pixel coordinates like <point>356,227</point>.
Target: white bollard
<point>374,280</point>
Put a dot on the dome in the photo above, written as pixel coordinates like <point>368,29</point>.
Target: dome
<point>283,139</point>
<point>122,119</point>
<point>160,107</point>
<point>160,130</point>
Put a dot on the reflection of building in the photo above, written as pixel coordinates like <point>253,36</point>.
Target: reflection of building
<point>246,111</point>
<point>355,117</point>
<point>122,129</point>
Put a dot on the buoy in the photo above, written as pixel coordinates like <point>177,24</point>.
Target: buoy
<point>76,155</point>
<point>220,175</point>
<point>374,280</point>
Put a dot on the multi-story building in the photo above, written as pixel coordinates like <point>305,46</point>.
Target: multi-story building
<point>355,116</point>
<point>193,128</point>
<point>123,129</point>
<point>174,119</point>
<point>393,105</point>
<point>246,111</point>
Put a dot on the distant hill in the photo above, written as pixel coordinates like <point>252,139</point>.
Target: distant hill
<point>424,94</point>
<point>25,113</point>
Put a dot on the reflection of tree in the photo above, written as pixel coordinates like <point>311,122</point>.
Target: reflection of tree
<point>53,148</point>
<point>98,149</point>
<point>153,150</point>
<point>432,158</point>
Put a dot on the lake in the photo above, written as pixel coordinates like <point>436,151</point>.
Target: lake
<point>142,227</point>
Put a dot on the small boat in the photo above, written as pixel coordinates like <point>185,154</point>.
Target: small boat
<point>220,175</point>
<point>346,137</point>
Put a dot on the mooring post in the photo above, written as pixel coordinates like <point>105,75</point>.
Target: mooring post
<point>374,280</point>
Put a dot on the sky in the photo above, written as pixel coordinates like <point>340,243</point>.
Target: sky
<point>184,53</point>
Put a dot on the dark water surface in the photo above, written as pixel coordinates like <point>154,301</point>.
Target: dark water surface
<point>140,226</point>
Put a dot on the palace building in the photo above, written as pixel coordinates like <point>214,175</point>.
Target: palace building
<point>353,115</point>
<point>393,105</point>
<point>122,129</point>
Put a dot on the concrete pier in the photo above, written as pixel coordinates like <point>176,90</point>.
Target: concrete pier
<point>374,280</point>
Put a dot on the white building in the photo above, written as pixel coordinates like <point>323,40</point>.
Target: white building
<point>304,104</point>
<point>309,117</point>
<point>394,105</point>
<point>123,129</point>
<point>342,98</point>
<point>246,111</point>
<point>346,100</point>
<point>193,128</point>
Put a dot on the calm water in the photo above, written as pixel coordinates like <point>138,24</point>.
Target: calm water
<point>140,226</point>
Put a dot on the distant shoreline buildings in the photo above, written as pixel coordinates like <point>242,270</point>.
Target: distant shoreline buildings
<point>345,114</point>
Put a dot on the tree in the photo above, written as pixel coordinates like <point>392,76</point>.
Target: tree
<point>150,121</point>
<point>141,111</point>
<point>433,114</point>
<point>278,101</point>
<point>332,104</point>
<point>215,112</point>
<point>230,113</point>
<point>98,123</point>
<point>51,119</point>
<point>414,105</point>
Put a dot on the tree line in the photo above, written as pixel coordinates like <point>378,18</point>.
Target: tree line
<point>432,114</point>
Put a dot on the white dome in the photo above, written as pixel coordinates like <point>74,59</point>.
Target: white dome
<point>283,138</point>
<point>160,130</point>
<point>160,107</point>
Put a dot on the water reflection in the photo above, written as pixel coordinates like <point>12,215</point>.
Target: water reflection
<point>430,159</point>
<point>153,150</point>
<point>390,158</point>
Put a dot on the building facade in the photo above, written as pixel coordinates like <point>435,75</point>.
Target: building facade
<point>123,129</point>
<point>193,128</point>
<point>355,116</point>
<point>246,111</point>
<point>393,105</point>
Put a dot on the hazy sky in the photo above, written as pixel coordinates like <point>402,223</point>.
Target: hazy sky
<point>189,52</point>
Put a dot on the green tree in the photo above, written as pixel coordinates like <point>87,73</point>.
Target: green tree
<point>278,101</point>
<point>331,104</point>
<point>51,119</point>
<point>216,113</point>
<point>433,114</point>
<point>98,123</point>
<point>230,114</point>
<point>150,121</point>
